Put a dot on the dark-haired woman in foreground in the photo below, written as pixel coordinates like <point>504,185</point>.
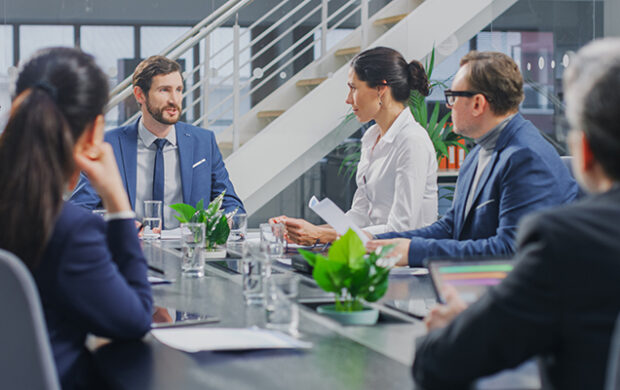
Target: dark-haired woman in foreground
<point>397,173</point>
<point>91,275</point>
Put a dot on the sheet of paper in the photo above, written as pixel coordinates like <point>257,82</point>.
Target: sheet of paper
<point>334,216</point>
<point>172,234</point>
<point>226,339</point>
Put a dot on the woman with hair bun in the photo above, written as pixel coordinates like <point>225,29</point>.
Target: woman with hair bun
<point>91,274</point>
<point>397,173</point>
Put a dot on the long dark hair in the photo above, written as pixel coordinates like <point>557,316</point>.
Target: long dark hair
<point>60,91</point>
<point>385,66</point>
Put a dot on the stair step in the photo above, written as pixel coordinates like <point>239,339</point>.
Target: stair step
<point>270,114</point>
<point>226,148</point>
<point>389,20</point>
<point>310,82</point>
<point>347,51</point>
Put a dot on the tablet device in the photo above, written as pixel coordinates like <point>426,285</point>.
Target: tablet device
<point>167,317</point>
<point>470,277</point>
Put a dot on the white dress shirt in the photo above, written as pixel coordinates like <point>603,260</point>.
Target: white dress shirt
<point>173,191</point>
<point>397,180</point>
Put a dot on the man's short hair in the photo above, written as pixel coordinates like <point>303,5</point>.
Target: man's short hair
<point>151,67</point>
<point>497,77</point>
<point>592,91</point>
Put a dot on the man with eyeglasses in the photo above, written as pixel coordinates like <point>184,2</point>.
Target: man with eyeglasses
<point>511,172</point>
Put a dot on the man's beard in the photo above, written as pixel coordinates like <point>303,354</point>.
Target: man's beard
<point>158,114</point>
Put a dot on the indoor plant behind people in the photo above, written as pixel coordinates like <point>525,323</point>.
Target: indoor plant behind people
<point>214,218</point>
<point>354,276</point>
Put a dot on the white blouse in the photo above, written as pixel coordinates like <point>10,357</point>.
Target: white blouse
<point>397,180</point>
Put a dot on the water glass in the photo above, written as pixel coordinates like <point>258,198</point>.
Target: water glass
<point>152,219</point>
<point>282,313</point>
<point>238,231</point>
<point>252,271</point>
<point>272,240</point>
<point>193,242</point>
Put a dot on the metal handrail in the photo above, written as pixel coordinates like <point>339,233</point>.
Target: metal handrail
<point>174,50</point>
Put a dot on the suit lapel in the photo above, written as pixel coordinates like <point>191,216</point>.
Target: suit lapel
<point>128,143</point>
<point>465,178</point>
<point>186,157</point>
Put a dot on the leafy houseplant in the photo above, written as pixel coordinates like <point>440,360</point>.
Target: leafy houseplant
<point>214,218</point>
<point>350,273</point>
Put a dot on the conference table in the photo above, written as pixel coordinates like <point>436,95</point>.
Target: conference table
<point>341,357</point>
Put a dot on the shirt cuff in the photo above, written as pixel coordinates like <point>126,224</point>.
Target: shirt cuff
<point>128,214</point>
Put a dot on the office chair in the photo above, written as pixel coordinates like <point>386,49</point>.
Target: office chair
<point>613,361</point>
<point>26,360</point>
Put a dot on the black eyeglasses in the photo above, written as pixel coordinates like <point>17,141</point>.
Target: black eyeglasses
<point>452,95</point>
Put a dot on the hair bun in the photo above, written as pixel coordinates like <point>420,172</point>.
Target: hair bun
<point>418,80</point>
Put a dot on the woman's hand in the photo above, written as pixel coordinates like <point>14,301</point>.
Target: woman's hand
<point>99,164</point>
<point>401,248</point>
<point>300,231</point>
<point>441,315</point>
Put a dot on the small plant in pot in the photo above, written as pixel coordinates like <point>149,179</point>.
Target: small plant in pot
<point>354,276</point>
<point>215,220</point>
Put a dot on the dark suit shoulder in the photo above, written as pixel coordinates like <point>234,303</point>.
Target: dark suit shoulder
<point>194,130</point>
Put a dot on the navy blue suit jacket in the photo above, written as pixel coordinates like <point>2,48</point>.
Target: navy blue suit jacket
<point>91,279</point>
<point>560,303</point>
<point>205,181</point>
<point>524,174</point>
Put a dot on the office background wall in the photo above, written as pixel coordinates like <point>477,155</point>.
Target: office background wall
<point>540,34</point>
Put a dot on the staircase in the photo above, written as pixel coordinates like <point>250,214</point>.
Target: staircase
<point>294,126</point>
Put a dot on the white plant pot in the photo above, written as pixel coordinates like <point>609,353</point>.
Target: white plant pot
<point>217,253</point>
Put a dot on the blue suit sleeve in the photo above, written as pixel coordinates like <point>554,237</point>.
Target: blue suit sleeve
<point>84,195</point>
<point>439,229</point>
<point>102,280</point>
<point>220,181</point>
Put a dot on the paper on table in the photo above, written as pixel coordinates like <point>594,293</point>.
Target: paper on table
<point>226,339</point>
<point>334,216</point>
<point>172,234</point>
<point>158,280</point>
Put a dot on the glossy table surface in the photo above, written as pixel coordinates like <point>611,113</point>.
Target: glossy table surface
<point>342,357</point>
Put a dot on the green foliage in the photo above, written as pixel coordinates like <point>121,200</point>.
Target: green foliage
<point>439,130</point>
<point>214,218</point>
<point>349,272</point>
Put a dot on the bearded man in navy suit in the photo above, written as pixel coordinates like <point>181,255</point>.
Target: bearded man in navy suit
<point>159,157</point>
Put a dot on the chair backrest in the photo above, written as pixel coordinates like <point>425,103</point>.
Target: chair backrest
<point>26,360</point>
<point>568,162</point>
<point>613,361</point>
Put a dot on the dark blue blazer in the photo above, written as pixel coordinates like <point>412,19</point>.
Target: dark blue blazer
<point>524,174</point>
<point>92,278</point>
<point>560,303</point>
<point>205,181</point>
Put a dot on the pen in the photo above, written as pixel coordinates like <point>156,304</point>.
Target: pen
<point>156,270</point>
<point>140,227</point>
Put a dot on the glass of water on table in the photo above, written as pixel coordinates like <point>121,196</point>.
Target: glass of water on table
<point>152,219</point>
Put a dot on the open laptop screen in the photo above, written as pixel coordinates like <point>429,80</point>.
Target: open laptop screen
<point>470,277</point>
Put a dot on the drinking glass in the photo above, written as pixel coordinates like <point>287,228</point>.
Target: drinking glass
<point>272,240</point>
<point>282,313</point>
<point>193,242</point>
<point>238,230</point>
<point>252,271</point>
<point>152,219</point>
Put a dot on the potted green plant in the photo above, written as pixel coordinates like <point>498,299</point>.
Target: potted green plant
<point>354,276</point>
<point>214,218</point>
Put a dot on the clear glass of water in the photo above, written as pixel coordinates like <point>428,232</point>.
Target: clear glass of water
<point>253,268</point>
<point>193,242</point>
<point>272,240</point>
<point>238,231</point>
<point>152,219</point>
<point>282,313</point>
